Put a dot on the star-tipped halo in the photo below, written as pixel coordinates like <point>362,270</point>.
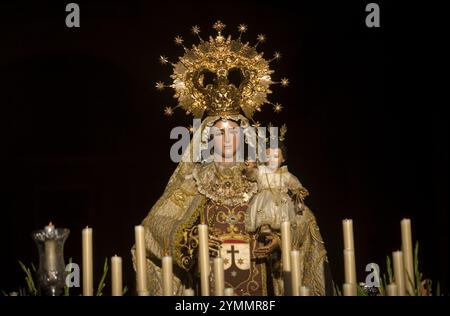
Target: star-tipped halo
<point>195,30</point>
<point>261,38</point>
<point>219,26</point>
<point>168,111</point>
<point>284,82</point>
<point>221,53</point>
<point>178,40</point>
<point>160,85</point>
<point>277,107</point>
<point>256,124</point>
<point>242,28</point>
<point>163,59</point>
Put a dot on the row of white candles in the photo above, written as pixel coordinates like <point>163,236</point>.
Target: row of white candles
<point>402,263</point>
<point>291,263</point>
<point>141,273</point>
<point>87,267</point>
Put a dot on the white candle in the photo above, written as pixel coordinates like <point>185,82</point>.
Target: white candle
<point>167,266</point>
<point>50,248</point>
<point>188,292</point>
<point>116,276</point>
<point>399,272</point>
<point>392,289</point>
<point>349,289</point>
<point>50,255</point>
<point>407,249</point>
<point>347,229</point>
<point>141,261</point>
<point>229,291</point>
<point>304,291</point>
<point>350,267</point>
<point>286,245</point>
<point>203,258</point>
<point>295,272</point>
<point>219,277</point>
<point>87,264</point>
<point>349,255</point>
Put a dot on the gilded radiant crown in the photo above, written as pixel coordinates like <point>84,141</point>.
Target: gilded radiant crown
<point>221,76</point>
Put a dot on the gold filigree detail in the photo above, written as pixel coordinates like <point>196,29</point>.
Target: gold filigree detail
<point>184,242</point>
<point>228,186</point>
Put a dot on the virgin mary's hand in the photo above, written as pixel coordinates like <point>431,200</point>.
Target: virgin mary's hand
<point>273,244</point>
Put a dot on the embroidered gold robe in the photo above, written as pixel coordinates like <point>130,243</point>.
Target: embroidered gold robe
<point>221,193</point>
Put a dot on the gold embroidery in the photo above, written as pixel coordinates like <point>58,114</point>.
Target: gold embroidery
<point>224,184</point>
<point>184,243</point>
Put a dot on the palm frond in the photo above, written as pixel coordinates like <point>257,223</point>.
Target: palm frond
<point>417,274</point>
<point>101,284</point>
<point>389,269</point>
<point>67,288</point>
<point>337,290</point>
<point>31,287</point>
<point>360,291</point>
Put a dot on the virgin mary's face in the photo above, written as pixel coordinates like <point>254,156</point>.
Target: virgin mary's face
<point>226,135</point>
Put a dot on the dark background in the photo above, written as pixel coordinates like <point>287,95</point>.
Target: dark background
<point>84,140</point>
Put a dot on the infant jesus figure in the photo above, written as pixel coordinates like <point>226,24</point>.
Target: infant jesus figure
<point>280,198</point>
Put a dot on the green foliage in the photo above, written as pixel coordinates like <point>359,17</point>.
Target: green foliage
<point>337,290</point>
<point>360,290</point>
<point>386,279</point>
<point>31,288</point>
<point>417,274</point>
<point>417,278</point>
<point>101,284</point>
<point>389,269</point>
<point>66,288</point>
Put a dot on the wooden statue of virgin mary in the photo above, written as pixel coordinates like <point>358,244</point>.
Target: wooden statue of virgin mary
<point>223,82</point>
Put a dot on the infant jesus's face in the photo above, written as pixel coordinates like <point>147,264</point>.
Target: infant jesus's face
<point>274,158</point>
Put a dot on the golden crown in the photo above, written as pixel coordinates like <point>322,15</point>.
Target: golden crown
<point>221,76</point>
